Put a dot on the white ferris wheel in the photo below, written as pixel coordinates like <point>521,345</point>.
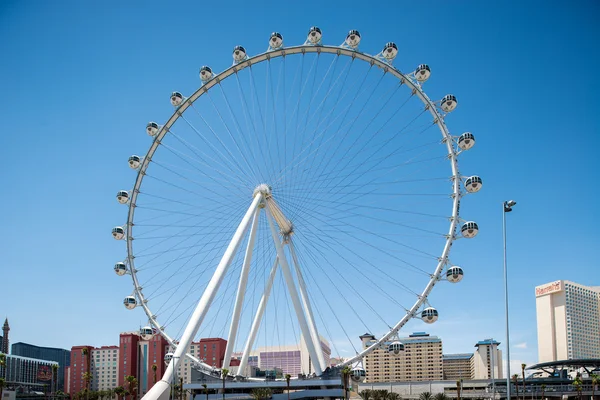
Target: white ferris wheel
<point>307,192</point>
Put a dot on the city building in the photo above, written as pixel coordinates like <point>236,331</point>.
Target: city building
<point>291,359</point>
<point>104,367</point>
<point>4,343</point>
<point>80,364</point>
<point>457,366</point>
<point>421,359</point>
<point>61,356</point>
<point>27,373</point>
<point>486,362</point>
<point>568,321</point>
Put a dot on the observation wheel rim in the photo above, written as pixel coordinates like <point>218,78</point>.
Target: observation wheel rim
<point>416,88</point>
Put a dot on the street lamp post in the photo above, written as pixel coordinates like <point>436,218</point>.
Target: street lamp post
<point>506,207</point>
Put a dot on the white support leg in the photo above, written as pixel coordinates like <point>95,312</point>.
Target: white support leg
<point>161,389</point>
<point>289,279</point>
<point>257,318</point>
<point>239,299</point>
<point>314,333</point>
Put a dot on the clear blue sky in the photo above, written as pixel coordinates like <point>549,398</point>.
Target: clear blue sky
<point>80,80</point>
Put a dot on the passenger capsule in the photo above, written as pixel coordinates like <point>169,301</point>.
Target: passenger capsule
<point>466,141</point>
<point>423,72</point>
<point>449,103</point>
<point>358,374</point>
<point>168,357</point>
<point>353,38</point>
<point>205,73</point>
<point>314,35</point>
<point>469,229</point>
<point>152,128</point>
<point>146,333</point>
<point>134,162</point>
<point>395,348</point>
<point>239,54</point>
<point>429,315</point>
<point>473,184</point>
<point>120,268</point>
<point>118,232</point>
<point>122,196</point>
<point>276,40</point>
<point>454,274</point>
<point>176,99</point>
<point>130,302</point>
<point>390,51</point>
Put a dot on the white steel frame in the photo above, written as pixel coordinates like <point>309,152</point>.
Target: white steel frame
<point>301,302</point>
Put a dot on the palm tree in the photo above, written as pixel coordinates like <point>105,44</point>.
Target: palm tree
<point>595,381</point>
<point>261,393</point>
<point>346,371</point>
<point>287,381</point>
<point>440,396</point>
<point>2,384</point>
<point>55,376</point>
<point>396,396</point>
<point>523,374</point>
<point>224,374</point>
<point>3,364</point>
<point>425,396</point>
<point>132,383</point>
<point>154,368</point>
<point>205,390</point>
<point>543,390</point>
<point>366,394</point>
<point>515,379</point>
<point>578,383</point>
<point>87,377</point>
<point>119,391</point>
<point>458,386</point>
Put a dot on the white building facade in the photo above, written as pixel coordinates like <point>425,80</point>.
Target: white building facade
<point>486,362</point>
<point>568,321</point>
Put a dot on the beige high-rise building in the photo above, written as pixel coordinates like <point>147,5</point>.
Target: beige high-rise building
<point>104,367</point>
<point>568,321</point>
<point>487,360</point>
<point>421,359</point>
<point>457,366</point>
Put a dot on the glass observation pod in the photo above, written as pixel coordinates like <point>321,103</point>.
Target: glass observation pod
<point>176,99</point>
<point>423,72</point>
<point>429,315</point>
<point>466,141</point>
<point>205,73</point>
<point>449,102</point>
<point>120,268</point>
<point>314,35</point>
<point>118,233</point>
<point>146,332</point>
<point>353,38</point>
<point>395,348</point>
<point>390,50</point>
<point>130,302</point>
<point>473,184</point>
<point>239,53</point>
<point>359,374</point>
<point>454,274</point>
<point>134,162</point>
<point>469,229</point>
<point>168,357</point>
<point>276,40</point>
<point>122,196</point>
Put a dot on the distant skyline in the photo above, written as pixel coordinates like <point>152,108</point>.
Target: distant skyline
<point>81,80</point>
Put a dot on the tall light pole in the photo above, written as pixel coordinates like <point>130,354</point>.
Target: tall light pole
<point>506,207</point>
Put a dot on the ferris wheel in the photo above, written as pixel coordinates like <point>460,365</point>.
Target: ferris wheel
<point>288,198</point>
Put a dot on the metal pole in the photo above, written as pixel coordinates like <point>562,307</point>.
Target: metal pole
<point>493,374</point>
<point>508,388</point>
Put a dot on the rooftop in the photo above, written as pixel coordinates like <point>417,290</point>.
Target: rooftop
<point>487,342</point>
<point>458,356</point>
